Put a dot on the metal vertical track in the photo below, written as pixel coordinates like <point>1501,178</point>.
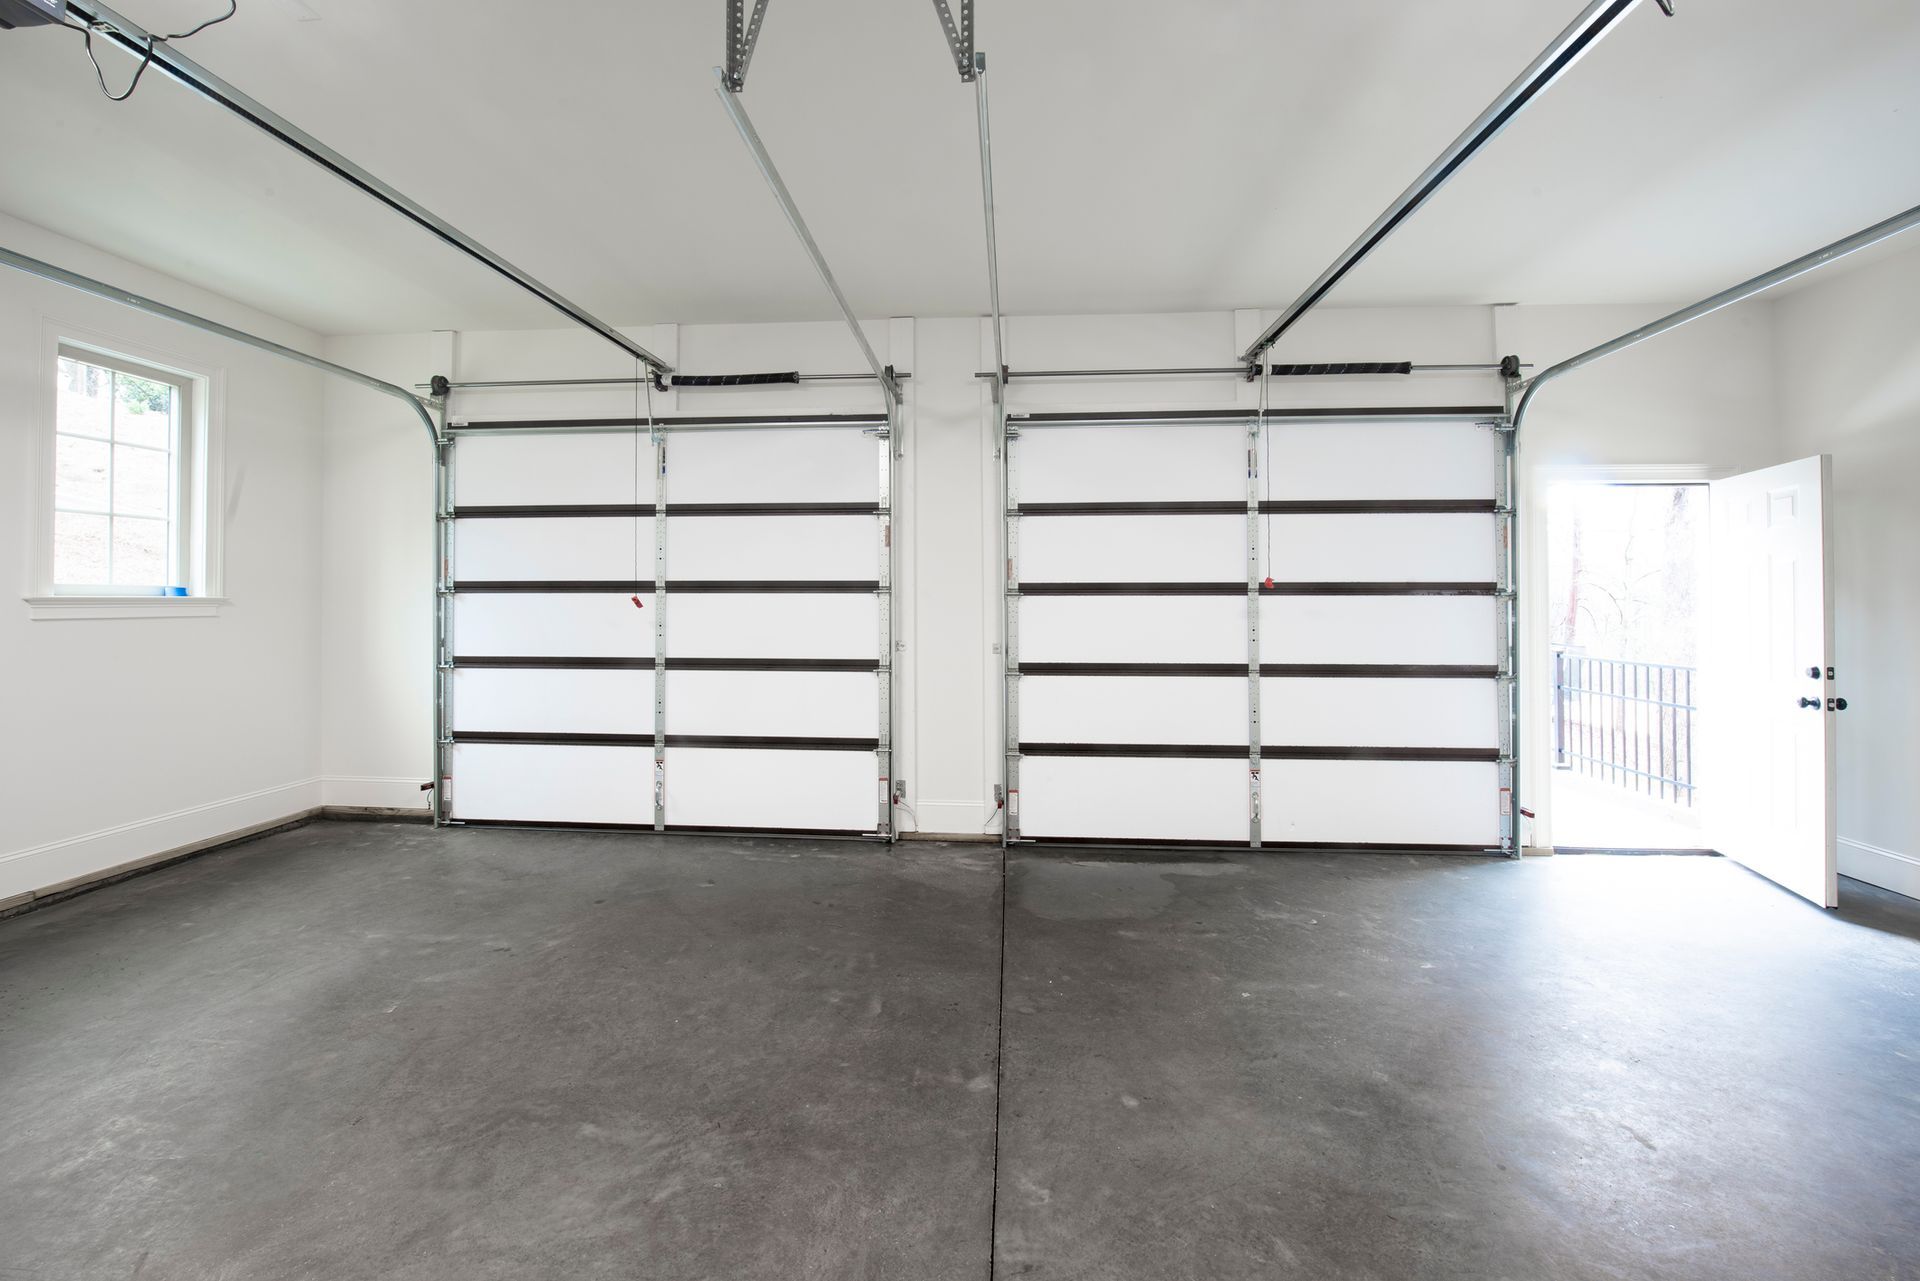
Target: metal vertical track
<point>1010,626</point>
<point>1255,428</point>
<point>1506,639</point>
<point>884,735</point>
<point>658,439</point>
<point>440,796</point>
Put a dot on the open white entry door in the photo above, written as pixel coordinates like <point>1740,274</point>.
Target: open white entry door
<point>1768,690</point>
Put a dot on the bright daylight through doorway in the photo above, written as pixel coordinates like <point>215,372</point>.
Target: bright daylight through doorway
<point>1626,612</point>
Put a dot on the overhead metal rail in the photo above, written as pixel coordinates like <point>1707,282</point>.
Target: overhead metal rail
<point>1566,49</point>
<point>999,375</point>
<point>127,298</point>
<point>1215,417</point>
<point>875,424</point>
<point>1251,372</point>
<point>140,43</point>
<point>678,382</point>
<point>1780,275</point>
<point>730,99</point>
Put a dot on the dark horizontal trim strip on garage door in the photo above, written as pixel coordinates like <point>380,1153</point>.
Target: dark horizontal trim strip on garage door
<point>691,587</point>
<point>1240,589</point>
<point>1239,751</point>
<point>1240,847</point>
<point>1278,507</point>
<point>531,661</point>
<point>791,420</point>
<point>1328,670</point>
<point>512,510</point>
<point>1467,413</point>
<point>762,742</point>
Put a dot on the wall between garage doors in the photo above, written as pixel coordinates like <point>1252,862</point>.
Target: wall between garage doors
<point>377,480</point>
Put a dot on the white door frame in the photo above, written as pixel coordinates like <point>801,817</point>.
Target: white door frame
<point>1536,674</point>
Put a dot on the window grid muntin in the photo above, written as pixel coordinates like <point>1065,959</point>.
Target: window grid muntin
<point>178,560</point>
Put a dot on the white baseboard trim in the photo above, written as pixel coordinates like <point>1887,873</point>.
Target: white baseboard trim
<point>363,792</point>
<point>41,870</point>
<point>1889,869</point>
<point>950,818</point>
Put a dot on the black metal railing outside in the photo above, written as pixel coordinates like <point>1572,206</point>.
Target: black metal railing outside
<point>1625,723</point>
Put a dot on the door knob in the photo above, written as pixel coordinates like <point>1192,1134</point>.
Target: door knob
<point>1814,703</point>
<point>1837,704</point>
<point>1814,672</point>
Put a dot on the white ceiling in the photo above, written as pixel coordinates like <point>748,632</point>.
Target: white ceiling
<point>1162,157</point>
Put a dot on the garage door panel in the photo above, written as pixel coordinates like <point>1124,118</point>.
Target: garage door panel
<point>1378,712</point>
<point>1133,709</point>
<point>1380,460</point>
<point>773,547</point>
<point>1133,549</point>
<point>1124,798</point>
<point>743,589</point>
<point>1385,555</point>
<point>1132,464</point>
<point>553,625</point>
<point>1375,548</point>
<point>545,783</point>
<point>1381,802</point>
<point>796,704</point>
<point>777,465</point>
<point>549,701</point>
<point>1133,629</point>
<point>1378,629</point>
<point>728,787</point>
<point>549,549</point>
<point>773,625</point>
<point>600,468</point>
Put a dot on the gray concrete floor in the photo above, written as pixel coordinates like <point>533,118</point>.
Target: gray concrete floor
<point>359,1050</point>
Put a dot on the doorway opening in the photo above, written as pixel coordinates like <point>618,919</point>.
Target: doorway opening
<point>1627,576</point>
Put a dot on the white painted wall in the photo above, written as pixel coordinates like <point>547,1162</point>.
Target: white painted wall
<point>120,739</point>
<point>1849,386</point>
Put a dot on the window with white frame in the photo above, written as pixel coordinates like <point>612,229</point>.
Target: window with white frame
<point>123,484</point>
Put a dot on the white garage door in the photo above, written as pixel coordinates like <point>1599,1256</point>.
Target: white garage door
<point>683,629</point>
<point>1292,631</point>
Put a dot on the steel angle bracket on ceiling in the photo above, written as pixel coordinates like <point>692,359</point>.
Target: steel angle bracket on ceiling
<point>959,32</point>
<point>743,32</point>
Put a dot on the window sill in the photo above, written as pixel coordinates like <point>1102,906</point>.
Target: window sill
<point>48,608</point>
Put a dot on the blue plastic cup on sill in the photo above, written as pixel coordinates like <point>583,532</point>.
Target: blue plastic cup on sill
<point>176,591</point>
